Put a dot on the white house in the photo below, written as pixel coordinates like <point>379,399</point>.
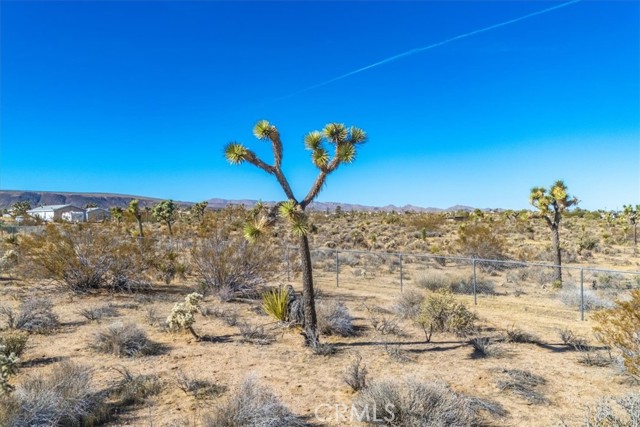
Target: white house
<point>97,214</point>
<point>53,212</point>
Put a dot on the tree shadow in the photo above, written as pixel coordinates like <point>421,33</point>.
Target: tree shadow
<point>41,361</point>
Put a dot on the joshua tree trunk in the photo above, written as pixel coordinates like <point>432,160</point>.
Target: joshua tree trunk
<point>555,242</point>
<point>140,226</point>
<point>170,231</point>
<point>635,233</point>
<point>310,322</point>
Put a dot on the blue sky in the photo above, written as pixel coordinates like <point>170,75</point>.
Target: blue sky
<point>141,97</point>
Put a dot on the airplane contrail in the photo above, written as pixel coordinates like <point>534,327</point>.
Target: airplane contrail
<point>431,46</point>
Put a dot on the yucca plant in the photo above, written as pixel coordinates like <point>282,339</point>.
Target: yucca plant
<point>345,141</point>
<point>275,303</point>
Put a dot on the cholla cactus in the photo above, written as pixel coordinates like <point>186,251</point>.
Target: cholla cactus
<point>182,315</point>
<point>8,367</point>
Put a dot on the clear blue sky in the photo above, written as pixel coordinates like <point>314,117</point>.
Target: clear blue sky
<point>141,97</point>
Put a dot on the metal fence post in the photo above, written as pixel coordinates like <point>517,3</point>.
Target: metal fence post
<point>401,273</point>
<point>337,269</point>
<point>582,294</point>
<point>475,293</point>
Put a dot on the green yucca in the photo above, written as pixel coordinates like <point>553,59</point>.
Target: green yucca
<point>275,303</point>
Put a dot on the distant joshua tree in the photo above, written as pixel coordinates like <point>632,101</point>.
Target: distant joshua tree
<point>116,213</point>
<point>345,142</point>
<point>134,209</point>
<point>631,213</point>
<point>167,212</point>
<point>198,209</point>
<point>20,208</point>
<point>551,204</point>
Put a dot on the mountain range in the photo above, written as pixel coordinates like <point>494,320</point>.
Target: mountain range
<point>107,200</point>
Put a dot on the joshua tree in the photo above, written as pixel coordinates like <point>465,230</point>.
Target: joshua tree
<point>344,141</point>
<point>631,212</point>
<point>551,204</point>
<point>20,208</point>
<point>198,209</point>
<point>134,209</point>
<point>166,211</point>
<point>116,213</point>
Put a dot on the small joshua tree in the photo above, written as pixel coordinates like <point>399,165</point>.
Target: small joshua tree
<point>166,211</point>
<point>345,142</point>
<point>116,213</point>
<point>20,208</point>
<point>182,315</point>
<point>631,213</point>
<point>551,204</point>
<point>134,209</point>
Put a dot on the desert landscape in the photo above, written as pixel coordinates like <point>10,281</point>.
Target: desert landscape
<point>526,358</point>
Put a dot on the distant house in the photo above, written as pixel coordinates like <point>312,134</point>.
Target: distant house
<point>59,212</point>
<point>97,214</point>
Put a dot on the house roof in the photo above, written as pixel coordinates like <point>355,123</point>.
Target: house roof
<point>50,208</point>
<point>96,209</point>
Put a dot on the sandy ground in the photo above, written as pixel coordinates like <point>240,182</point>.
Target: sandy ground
<point>305,381</point>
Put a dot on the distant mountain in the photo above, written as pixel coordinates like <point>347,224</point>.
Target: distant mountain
<point>103,200</point>
<point>107,200</point>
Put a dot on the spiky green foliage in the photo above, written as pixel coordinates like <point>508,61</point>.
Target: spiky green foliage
<point>275,303</point>
<point>235,153</point>
<point>182,315</point>
<point>134,209</point>
<point>263,130</point>
<point>20,208</point>
<point>555,199</point>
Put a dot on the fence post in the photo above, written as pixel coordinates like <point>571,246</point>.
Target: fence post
<point>401,273</point>
<point>582,294</point>
<point>475,293</point>
<point>337,269</point>
<point>288,265</point>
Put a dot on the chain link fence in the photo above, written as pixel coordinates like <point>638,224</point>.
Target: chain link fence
<point>583,288</point>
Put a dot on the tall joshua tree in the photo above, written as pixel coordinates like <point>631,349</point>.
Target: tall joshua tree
<point>631,213</point>
<point>344,142</point>
<point>134,209</point>
<point>551,204</point>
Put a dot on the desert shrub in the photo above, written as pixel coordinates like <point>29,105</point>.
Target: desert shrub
<point>619,327</point>
<point>123,340</point>
<point>134,389</point>
<point>410,403</point>
<point>196,387</point>
<point>275,303</point>
<point>571,339</point>
<point>441,313</point>
<point>516,335</point>
<point>85,258</point>
<point>182,315</point>
<point>571,297</point>
<point>397,354</point>
<point>252,405</point>
<point>619,412</point>
<point>356,374</point>
<point>436,281</point>
<point>334,319</point>
<point>98,312</point>
<point>522,383</point>
<point>386,325</point>
<point>229,316</point>
<point>485,347</point>
<point>13,342</point>
<point>230,263</point>
<point>254,334</point>
<point>34,315</point>
<point>407,304</point>
<point>480,241</point>
<point>168,264</point>
<point>64,397</point>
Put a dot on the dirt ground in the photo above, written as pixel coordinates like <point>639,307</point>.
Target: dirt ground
<point>310,384</point>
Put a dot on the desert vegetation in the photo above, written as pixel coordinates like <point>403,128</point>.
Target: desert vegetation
<point>127,323</point>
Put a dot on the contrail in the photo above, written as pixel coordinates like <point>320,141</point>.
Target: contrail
<point>431,46</point>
